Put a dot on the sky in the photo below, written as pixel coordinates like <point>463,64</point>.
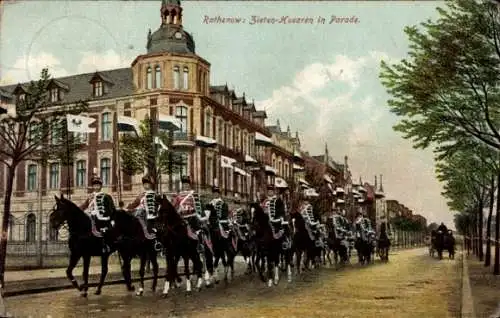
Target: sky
<point>320,79</point>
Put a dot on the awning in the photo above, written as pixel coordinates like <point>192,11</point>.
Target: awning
<point>249,159</point>
<point>340,201</point>
<point>262,140</point>
<point>203,141</point>
<point>280,183</point>
<point>361,200</point>
<point>270,169</point>
<point>361,189</point>
<point>240,171</point>
<point>379,194</point>
<point>304,182</point>
<point>297,154</point>
<point>311,192</point>
<point>226,162</point>
<point>327,178</point>
<point>297,167</point>
<point>166,122</point>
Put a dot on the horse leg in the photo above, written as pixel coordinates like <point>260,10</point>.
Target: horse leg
<point>154,264</point>
<point>86,266</point>
<point>171,272</point>
<point>142,270</point>
<point>104,272</point>
<point>127,275</point>
<point>73,261</point>
<point>197,269</point>
<point>210,275</point>
<point>298,260</point>
<point>187,274</point>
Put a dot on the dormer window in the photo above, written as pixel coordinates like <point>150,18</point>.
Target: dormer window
<point>54,94</point>
<point>98,89</point>
<point>157,77</point>
<point>21,97</point>
<point>176,77</point>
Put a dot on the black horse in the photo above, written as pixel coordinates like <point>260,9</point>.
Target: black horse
<point>384,243</point>
<point>179,241</point>
<point>245,240</point>
<point>438,242</point>
<point>268,244</point>
<point>303,244</point>
<point>224,242</point>
<point>286,251</point>
<point>85,242</point>
<point>364,245</point>
<point>337,241</point>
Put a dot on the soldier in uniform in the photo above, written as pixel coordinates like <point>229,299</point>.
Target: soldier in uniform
<point>275,208</point>
<point>188,205</point>
<point>145,208</point>
<point>221,207</point>
<point>306,210</point>
<point>100,206</point>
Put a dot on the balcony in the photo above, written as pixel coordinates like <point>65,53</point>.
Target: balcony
<point>183,141</point>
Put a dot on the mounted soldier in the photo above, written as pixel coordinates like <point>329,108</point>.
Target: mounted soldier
<point>100,207</point>
<point>306,210</point>
<point>145,208</point>
<point>220,207</point>
<point>275,208</point>
<point>188,205</point>
<point>442,228</point>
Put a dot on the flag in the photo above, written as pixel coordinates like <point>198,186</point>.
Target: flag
<point>226,162</point>
<point>127,124</point>
<point>166,122</point>
<point>160,143</point>
<point>79,124</point>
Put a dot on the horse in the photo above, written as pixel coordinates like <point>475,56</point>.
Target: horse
<point>363,245</point>
<point>268,244</point>
<point>135,241</point>
<point>245,242</point>
<point>179,241</point>
<point>224,242</point>
<point>286,251</point>
<point>383,243</point>
<point>337,243</point>
<point>438,243</point>
<point>449,244</point>
<point>302,241</point>
<point>84,242</point>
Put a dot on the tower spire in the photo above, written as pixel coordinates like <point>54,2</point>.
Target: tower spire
<point>375,183</point>
<point>381,189</point>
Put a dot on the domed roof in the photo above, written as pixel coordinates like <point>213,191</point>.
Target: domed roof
<point>170,38</point>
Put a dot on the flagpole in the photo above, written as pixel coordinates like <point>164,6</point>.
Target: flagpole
<point>118,162</point>
<point>69,165</point>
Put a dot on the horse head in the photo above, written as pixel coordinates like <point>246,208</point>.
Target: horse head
<point>66,211</point>
<point>213,218</point>
<point>167,213</point>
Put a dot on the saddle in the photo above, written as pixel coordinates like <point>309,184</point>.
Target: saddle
<point>277,230</point>
<point>147,234</point>
<point>202,238</point>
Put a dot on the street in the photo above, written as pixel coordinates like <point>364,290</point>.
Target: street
<point>412,284</point>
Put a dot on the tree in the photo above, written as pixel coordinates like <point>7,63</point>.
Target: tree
<point>433,226</point>
<point>449,86</point>
<point>36,133</point>
<point>137,151</point>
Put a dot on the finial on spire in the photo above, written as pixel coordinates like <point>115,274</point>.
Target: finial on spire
<point>381,189</point>
<point>278,124</point>
<point>360,181</point>
<point>243,94</point>
<point>297,134</point>
<point>375,183</point>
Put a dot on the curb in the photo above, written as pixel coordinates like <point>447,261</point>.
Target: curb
<point>467,304</point>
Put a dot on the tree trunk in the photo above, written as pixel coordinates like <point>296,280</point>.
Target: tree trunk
<point>480,231</point>
<point>487,259</point>
<point>496,267</point>
<point>5,222</point>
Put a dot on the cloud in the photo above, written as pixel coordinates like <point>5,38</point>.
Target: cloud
<point>342,103</point>
<point>93,61</point>
<point>27,68</point>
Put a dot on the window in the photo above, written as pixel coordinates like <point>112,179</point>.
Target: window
<point>54,95</point>
<point>280,168</point>
<point>220,133</point>
<point>183,164</point>
<point>106,126</point>
<point>274,163</point>
<point>105,171</point>
<point>81,173</point>
<point>209,177</point>
<point>31,228</point>
<point>80,137</point>
<point>97,88</point>
<point>54,176</point>
<point>149,78</point>
<point>158,77</point>
<point>53,234</point>
<point>185,78</point>
<point>11,228</point>
<point>181,114</point>
<point>34,133</point>
<point>21,97</point>
<point>32,180</point>
<point>229,136</point>
<point>208,124</point>
<point>237,139</point>
<point>56,133</point>
<point>286,170</point>
<point>177,77</point>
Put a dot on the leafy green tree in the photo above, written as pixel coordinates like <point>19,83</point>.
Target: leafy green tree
<point>37,133</point>
<point>448,88</point>
<point>137,151</point>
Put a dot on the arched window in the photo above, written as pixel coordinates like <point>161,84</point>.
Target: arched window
<point>185,78</point>
<point>149,78</point>
<point>11,228</point>
<point>81,173</point>
<point>31,228</point>
<point>158,77</point>
<point>53,234</point>
<point>208,123</point>
<point>106,171</point>
<point>176,77</point>
<point>32,177</point>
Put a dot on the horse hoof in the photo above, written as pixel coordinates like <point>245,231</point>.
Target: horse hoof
<point>139,293</point>
<point>164,295</point>
<point>84,294</point>
<point>131,288</point>
<point>98,292</point>
<point>189,293</point>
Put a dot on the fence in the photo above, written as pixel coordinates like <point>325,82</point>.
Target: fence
<point>408,239</point>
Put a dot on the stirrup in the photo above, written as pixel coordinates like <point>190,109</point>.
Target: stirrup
<point>158,246</point>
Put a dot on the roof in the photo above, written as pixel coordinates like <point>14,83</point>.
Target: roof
<point>260,114</point>
<point>79,87</point>
<point>164,40</point>
<point>218,88</point>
